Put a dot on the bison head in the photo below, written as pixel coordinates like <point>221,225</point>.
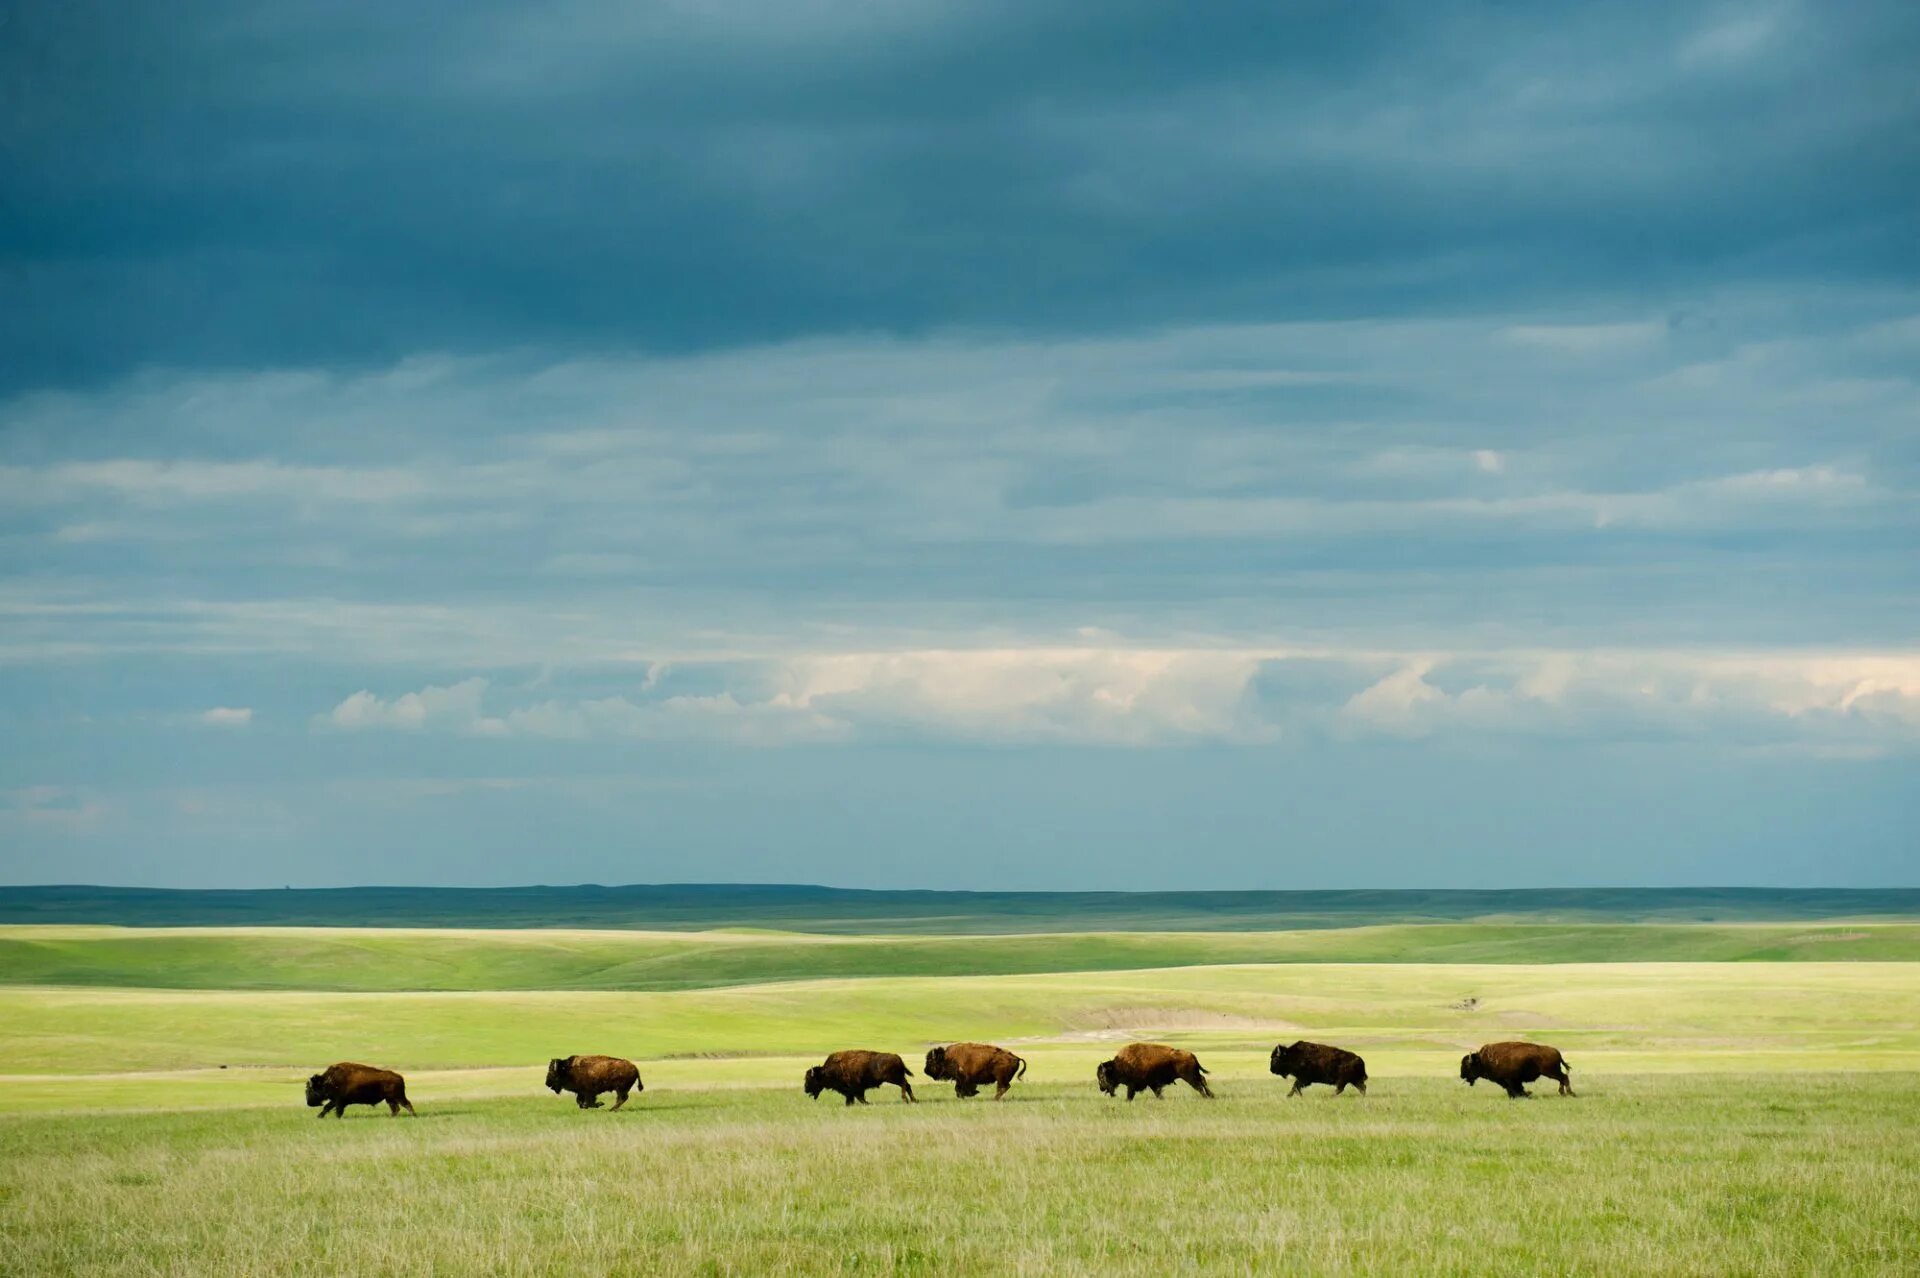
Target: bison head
<point>1281,1062</point>
<point>1107,1080</point>
<point>937,1063</point>
<point>558,1072</point>
<point>315,1098</point>
<point>816,1082</point>
<point>1470,1068</point>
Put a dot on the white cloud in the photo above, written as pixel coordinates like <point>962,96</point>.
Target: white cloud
<point>1398,703</point>
<point>453,707</point>
<point>1136,697</point>
<point>1853,702</point>
<point>956,492</point>
<point>227,716</point>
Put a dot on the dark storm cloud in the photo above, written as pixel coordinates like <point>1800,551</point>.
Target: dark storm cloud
<point>239,185</point>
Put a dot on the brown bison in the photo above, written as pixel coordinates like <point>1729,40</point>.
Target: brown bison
<point>854,1074</point>
<point>1309,1063</point>
<point>350,1084</point>
<point>1148,1067</point>
<point>587,1076</point>
<point>971,1064</point>
<point>1514,1065</point>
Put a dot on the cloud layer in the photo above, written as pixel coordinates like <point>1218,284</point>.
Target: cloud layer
<point>975,444</point>
<point>1867,703</point>
<point>607,176</point>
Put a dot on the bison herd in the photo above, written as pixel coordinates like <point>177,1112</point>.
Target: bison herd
<point>1137,1067</point>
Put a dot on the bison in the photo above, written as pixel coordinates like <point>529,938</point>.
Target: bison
<point>971,1064</point>
<point>347,1084</point>
<point>587,1076</point>
<point>1310,1063</point>
<point>854,1074</point>
<point>1514,1065</point>
<point>1148,1067</point>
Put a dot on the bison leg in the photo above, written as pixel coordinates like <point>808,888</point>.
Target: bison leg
<point>906,1091</point>
<point>1296,1088</point>
<point>619,1099</point>
<point>1132,1092</point>
<point>1000,1089</point>
<point>1518,1091</point>
<point>1361,1087</point>
<point>324,1110</point>
<point>1566,1084</point>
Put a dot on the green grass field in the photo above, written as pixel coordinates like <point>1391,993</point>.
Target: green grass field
<point>388,959</point>
<point>1701,1175</point>
<point>1748,1116</point>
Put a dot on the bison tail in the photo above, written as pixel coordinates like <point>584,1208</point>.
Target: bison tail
<point>1022,1071</point>
<point>1202,1068</point>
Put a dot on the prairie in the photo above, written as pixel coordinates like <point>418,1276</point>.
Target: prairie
<point>385,959</point>
<point>1732,1116</point>
<point>1410,1019</point>
<point>1706,1174</point>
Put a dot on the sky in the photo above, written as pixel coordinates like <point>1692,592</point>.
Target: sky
<point>960,445</point>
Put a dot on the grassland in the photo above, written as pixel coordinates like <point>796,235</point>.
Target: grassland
<point>1407,1019</point>
<point>1744,1116</point>
<point>1697,1175</point>
<point>388,959</point>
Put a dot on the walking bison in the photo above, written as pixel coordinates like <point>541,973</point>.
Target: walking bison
<point>348,1083</point>
<point>1148,1067</point>
<point>1514,1065</point>
<point>1309,1063</point>
<point>972,1065</point>
<point>854,1074</point>
<point>588,1076</point>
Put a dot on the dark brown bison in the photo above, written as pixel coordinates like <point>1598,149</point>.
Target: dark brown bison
<point>350,1084</point>
<point>1514,1065</point>
<point>1309,1063</point>
<point>854,1074</point>
<point>587,1076</point>
<point>971,1064</point>
<point>1148,1067</point>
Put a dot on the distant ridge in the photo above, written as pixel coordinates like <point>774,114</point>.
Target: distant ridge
<point>803,907</point>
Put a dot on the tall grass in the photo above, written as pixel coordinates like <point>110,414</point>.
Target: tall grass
<point>1643,1175</point>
